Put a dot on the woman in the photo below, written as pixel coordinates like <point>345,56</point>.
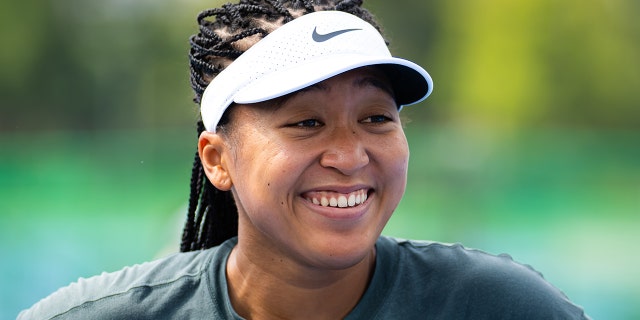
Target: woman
<point>301,161</point>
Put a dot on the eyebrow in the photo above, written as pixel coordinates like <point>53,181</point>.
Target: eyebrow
<point>375,82</point>
<point>316,86</point>
<point>358,82</point>
<point>361,82</point>
<point>281,101</point>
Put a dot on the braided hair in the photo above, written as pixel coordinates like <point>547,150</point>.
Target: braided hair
<point>212,215</point>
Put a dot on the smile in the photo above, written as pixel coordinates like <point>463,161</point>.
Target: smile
<point>338,200</point>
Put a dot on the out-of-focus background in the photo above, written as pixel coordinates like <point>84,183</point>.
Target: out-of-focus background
<point>529,144</point>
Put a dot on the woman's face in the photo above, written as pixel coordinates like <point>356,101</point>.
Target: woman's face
<point>317,175</point>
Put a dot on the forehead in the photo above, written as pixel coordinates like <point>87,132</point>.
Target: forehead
<point>360,77</point>
<point>365,77</point>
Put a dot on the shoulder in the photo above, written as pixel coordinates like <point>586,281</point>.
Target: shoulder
<point>456,259</point>
<point>138,291</point>
<point>487,284</point>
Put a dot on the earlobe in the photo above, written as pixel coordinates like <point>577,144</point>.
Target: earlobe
<point>212,148</point>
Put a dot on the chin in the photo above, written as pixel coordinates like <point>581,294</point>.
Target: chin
<point>342,253</point>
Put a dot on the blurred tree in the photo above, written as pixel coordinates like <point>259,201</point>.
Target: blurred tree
<point>73,64</point>
<point>83,65</point>
<point>513,64</point>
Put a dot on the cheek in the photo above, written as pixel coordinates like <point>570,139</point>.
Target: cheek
<point>265,192</point>
<point>395,153</point>
<point>401,167</point>
<point>264,175</point>
<point>394,163</point>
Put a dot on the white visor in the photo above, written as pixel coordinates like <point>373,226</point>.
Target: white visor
<point>303,52</point>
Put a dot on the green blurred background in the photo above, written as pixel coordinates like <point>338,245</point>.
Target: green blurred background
<point>529,144</point>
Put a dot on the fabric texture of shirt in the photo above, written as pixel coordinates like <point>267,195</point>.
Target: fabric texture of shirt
<point>412,280</point>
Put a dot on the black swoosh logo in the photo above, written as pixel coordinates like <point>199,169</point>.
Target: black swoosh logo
<point>324,37</point>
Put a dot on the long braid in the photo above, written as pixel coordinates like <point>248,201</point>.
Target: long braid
<point>248,33</point>
<point>212,215</point>
<point>308,6</point>
<point>197,174</point>
<point>280,9</point>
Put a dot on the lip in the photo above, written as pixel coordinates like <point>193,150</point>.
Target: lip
<point>339,189</point>
<point>337,213</point>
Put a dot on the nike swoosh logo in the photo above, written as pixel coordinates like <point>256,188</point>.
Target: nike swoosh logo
<point>324,37</point>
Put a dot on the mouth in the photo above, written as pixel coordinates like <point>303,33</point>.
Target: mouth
<point>336,199</point>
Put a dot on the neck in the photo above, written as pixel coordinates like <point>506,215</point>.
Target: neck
<point>284,289</point>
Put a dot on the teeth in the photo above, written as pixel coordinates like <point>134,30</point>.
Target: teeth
<point>339,200</point>
<point>352,200</point>
<point>342,201</point>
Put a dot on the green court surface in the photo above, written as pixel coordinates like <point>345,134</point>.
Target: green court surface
<point>567,202</point>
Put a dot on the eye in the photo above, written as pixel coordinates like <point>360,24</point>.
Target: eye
<point>379,118</point>
<point>308,123</point>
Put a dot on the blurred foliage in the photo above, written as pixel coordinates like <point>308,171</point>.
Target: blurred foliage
<point>73,64</point>
<point>509,64</point>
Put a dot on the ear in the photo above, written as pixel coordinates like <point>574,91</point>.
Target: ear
<point>212,150</point>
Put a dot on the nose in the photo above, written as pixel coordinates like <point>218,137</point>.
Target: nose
<point>345,152</point>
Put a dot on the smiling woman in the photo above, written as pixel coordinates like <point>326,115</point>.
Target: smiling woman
<point>302,160</point>
<point>341,142</point>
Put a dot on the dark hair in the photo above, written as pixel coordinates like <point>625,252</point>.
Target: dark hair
<point>212,215</point>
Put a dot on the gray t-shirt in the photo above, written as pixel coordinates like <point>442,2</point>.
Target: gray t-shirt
<point>412,280</point>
